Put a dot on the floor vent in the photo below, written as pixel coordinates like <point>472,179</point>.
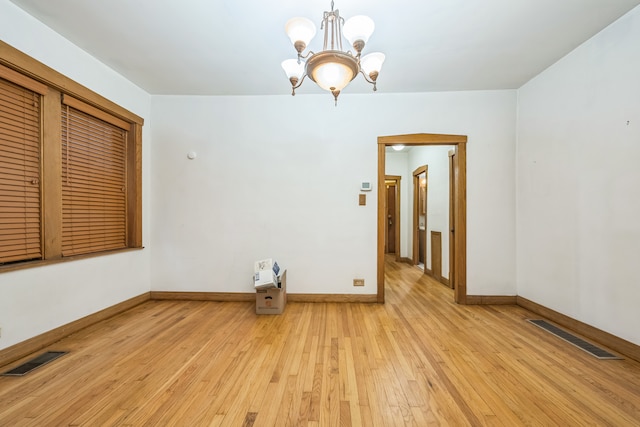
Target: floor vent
<point>572,339</point>
<point>34,363</point>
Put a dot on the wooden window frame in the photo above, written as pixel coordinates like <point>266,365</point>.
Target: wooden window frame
<point>23,70</point>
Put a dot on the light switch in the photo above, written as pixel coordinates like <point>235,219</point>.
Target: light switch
<point>362,199</point>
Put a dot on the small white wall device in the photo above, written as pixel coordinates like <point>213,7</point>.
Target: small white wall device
<point>365,186</point>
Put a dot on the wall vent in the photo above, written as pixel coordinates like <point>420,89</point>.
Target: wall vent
<point>593,350</point>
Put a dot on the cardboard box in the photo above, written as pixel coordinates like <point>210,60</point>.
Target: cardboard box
<point>273,300</point>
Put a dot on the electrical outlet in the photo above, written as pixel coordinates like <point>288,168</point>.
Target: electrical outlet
<point>358,282</point>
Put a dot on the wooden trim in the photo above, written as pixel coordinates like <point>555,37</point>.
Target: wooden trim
<point>422,139</point>
<point>251,296</point>
<point>451,225</point>
<point>51,175</point>
<point>460,217</point>
<point>398,218</point>
<point>615,343</point>
<point>134,182</point>
<point>338,298</point>
<point>406,260</point>
<point>38,342</point>
<point>44,262</point>
<point>22,80</point>
<point>381,223</point>
<point>436,254</point>
<point>491,299</point>
<point>95,112</point>
<point>204,296</point>
<point>460,177</point>
<point>34,69</point>
<point>415,232</point>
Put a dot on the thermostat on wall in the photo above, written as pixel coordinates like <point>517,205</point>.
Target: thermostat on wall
<point>365,186</point>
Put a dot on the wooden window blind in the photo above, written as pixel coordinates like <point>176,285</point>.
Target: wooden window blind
<point>94,179</point>
<point>20,206</point>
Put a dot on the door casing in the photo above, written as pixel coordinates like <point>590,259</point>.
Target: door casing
<point>460,204</point>
<point>452,205</point>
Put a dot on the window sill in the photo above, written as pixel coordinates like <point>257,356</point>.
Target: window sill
<point>43,262</point>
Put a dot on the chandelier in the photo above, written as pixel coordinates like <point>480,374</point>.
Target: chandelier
<point>333,68</point>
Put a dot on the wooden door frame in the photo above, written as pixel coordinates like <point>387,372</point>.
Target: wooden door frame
<point>452,243</point>
<point>396,179</point>
<point>460,216</point>
<point>415,233</point>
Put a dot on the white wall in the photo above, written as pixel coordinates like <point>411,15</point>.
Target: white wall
<point>36,300</point>
<point>578,173</point>
<point>278,176</point>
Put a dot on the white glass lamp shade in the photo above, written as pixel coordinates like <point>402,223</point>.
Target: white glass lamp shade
<point>332,70</point>
<point>292,68</point>
<point>300,30</point>
<point>372,62</point>
<point>359,27</point>
<point>332,76</point>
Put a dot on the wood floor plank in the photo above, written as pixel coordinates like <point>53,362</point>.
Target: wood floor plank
<point>419,360</point>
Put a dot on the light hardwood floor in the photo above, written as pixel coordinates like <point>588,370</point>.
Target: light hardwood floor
<point>417,360</point>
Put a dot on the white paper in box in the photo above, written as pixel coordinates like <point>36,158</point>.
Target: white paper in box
<point>265,274</point>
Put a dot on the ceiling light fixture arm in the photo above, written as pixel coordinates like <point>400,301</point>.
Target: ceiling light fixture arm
<point>373,76</point>
<point>301,56</point>
<point>295,84</point>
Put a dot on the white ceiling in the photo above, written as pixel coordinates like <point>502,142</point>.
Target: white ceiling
<point>234,47</point>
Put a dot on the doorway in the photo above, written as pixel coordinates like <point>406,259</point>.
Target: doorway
<point>458,196</point>
<point>452,204</point>
<point>392,206</point>
<point>420,217</point>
